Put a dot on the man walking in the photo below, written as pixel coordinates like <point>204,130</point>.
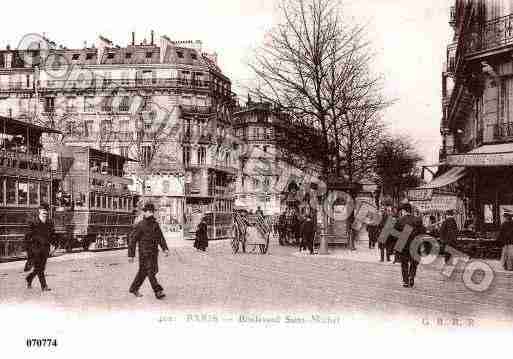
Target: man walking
<point>149,236</point>
<point>37,242</point>
<point>408,259</point>
<point>385,247</point>
<point>448,232</point>
<point>308,232</point>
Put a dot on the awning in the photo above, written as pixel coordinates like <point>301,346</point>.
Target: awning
<point>486,155</point>
<point>425,192</point>
<point>446,178</point>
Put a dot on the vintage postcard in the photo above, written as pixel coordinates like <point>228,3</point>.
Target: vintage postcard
<point>249,178</point>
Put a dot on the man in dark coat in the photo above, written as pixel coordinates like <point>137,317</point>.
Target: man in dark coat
<point>448,232</point>
<point>201,241</point>
<point>385,247</point>
<point>408,260</point>
<point>148,235</point>
<point>505,240</point>
<point>282,228</point>
<point>308,232</point>
<point>40,236</point>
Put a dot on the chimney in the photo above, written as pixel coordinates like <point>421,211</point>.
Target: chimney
<point>198,45</point>
<point>102,43</point>
<point>133,38</point>
<point>152,38</point>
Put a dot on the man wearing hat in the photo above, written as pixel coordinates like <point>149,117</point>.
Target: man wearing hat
<point>448,232</point>
<point>38,239</point>
<point>505,239</point>
<point>408,261</point>
<point>148,235</point>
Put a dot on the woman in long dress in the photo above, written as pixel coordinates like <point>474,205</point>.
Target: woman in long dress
<point>505,239</point>
<point>201,241</point>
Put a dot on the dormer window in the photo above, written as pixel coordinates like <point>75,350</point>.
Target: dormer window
<point>110,55</point>
<point>179,54</point>
<point>75,56</point>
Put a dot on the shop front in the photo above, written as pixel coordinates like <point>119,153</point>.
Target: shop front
<point>489,184</point>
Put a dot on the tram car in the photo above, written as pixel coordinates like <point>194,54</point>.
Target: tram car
<point>94,208</point>
<point>219,225</point>
<point>25,182</point>
<point>91,205</point>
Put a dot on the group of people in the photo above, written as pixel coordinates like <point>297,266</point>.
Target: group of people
<point>297,230</point>
<point>146,234</point>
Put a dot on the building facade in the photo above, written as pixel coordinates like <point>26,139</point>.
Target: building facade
<point>166,104</point>
<point>267,171</point>
<point>477,100</point>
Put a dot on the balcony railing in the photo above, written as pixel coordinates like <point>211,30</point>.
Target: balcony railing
<point>495,34</point>
<point>503,130</point>
<point>173,82</point>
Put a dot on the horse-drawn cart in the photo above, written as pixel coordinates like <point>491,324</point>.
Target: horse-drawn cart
<point>250,231</point>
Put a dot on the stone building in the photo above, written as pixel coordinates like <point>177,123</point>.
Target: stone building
<point>268,169</point>
<point>477,124</point>
<point>166,104</point>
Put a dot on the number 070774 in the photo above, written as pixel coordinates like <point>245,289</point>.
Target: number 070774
<point>41,342</point>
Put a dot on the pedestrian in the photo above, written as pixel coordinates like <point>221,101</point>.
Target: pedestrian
<point>505,239</point>
<point>282,228</point>
<point>201,240</point>
<point>386,246</point>
<point>372,231</point>
<point>409,261</point>
<point>148,235</point>
<point>448,232</point>
<point>308,233</point>
<point>38,239</point>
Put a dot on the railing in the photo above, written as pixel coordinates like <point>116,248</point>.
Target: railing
<point>23,157</point>
<point>116,83</point>
<point>496,33</point>
<point>197,109</point>
<point>503,130</point>
<point>445,151</point>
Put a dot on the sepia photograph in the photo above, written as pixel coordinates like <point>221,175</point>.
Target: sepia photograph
<point>256,178</point>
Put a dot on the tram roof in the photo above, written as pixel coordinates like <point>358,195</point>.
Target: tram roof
<point>103,153</point>
<point>17,126</point>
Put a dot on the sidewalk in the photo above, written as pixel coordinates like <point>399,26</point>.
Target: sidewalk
<point>364,254</point>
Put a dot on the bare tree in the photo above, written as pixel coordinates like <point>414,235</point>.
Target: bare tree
<point>316,68</point>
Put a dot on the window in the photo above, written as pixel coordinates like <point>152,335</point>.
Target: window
<point>146,154</point>
<point>107,104</point>
<point>104,201</point>
<point>49,104</point>
<point>165,186</point>
<point>2,194</point>
<point>149,55</point>
<point>89,104</point>
<point>110,55</point>
<point>92,201</point>
<point>124,105</point>
<point>179,54</point>
<point>106,126</point>
<point>44,193</point>
<point>123,151</point>
<point>88,128</point>
<point>10,187</point>
<point>75,56</point>
<point>128,55</point>
<point>22,192</point>
<point>98,201</point>
<point>89,56</point>
<point>194,56</point>
<point>114,202</point>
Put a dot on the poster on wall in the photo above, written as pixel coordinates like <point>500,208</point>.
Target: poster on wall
<point>505,208</point>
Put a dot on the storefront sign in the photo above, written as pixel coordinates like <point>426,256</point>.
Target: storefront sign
<point>437,203</point>
<point>420,194</point>
<point>481,159</point>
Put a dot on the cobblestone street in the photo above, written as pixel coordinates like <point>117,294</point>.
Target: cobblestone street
<point>281,281</point>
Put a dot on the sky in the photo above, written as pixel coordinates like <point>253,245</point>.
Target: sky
<point>409,38</point>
